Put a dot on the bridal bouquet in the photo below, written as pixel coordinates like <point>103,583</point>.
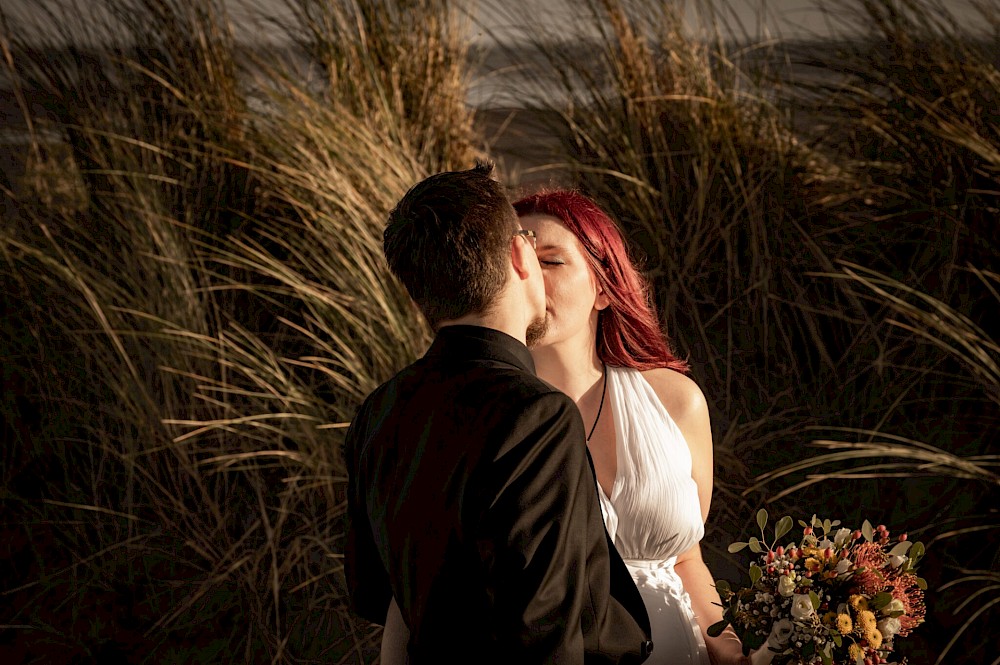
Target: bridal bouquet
<point>835,596</point>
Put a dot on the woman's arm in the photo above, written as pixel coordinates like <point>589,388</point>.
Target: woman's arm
<point>686,404</point>
<point>395,637</point>
<point>726,649</point>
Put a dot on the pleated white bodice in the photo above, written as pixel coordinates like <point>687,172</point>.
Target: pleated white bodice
<point>653,514</point>
<point>653,511</point>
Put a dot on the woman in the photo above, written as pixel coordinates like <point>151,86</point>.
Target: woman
<point>647,422</point>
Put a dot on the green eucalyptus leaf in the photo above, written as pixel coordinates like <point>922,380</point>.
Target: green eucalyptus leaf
<point>737,547</point>
<point>922,584</point>
<point>761,518</point>
<point>783,526</point>
<point>755,546</point>
<point>814,599</point>
<point>917,551</point>
<point>716,628</point>
<point>867,530</point>
<point>755,573</point>
<point>901,548</point>
<point>881,600</point>
<point>722,586</point>
<point>753,640</point>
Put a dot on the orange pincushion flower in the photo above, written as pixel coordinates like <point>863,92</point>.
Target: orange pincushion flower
<point>905,589</point>
<point>868,555</point>
<point>869,581</point>
<point>870,560</point>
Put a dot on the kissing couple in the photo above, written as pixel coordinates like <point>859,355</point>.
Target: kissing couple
<point>534,488</point>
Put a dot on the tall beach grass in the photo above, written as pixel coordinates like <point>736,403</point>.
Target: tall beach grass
<point>196,305</point>
<point>195,300</point>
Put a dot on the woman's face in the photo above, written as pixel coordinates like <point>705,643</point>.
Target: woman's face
<point>572,295</point>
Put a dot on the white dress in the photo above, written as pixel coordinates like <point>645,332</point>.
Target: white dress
<point>653,513</point>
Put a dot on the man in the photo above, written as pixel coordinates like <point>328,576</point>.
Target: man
<point>471,496</point>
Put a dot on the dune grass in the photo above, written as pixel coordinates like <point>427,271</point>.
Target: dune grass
<point>197,303</point>
<point>796,204</point>
<point>195,300</point>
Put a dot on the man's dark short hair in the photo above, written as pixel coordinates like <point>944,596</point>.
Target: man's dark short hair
<point>448,242</point>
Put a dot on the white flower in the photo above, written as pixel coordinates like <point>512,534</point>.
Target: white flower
<point>802,607</point>
<point>781,631</point>
<point>844,566</point>
<point>897,560</point>
<point>895,605</point>
<point>888,627</point>
<point>786,586</point>
<point>841,537</point>
<point>824,544</point>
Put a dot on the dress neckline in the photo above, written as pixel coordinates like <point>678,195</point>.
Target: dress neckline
<point>609,373</point>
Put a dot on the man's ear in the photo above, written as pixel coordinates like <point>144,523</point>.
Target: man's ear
<point>521,257</point>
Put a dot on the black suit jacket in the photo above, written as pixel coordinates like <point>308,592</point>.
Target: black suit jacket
<point>472,499</point>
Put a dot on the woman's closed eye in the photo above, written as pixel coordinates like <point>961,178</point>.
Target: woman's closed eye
<point>550,262</point>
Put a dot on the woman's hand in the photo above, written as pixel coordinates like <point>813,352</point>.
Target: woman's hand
<point>727,649</point>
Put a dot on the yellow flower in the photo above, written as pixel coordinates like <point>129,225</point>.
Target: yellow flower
<point>866,622</point>
<point>874,638</point>
<point>844,624</point>
<point>813,564</point>
<point>858,602</point>
<point>855,652</point>
<point>830,619</point>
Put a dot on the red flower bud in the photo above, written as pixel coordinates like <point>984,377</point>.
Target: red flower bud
<point>808,531</point>
<point>856,535</point>
<point>780,551</point>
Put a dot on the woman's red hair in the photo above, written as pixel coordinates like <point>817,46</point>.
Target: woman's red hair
<point>628,331</point>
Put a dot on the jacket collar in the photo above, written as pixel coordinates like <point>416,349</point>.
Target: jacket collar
<point>481,343</point>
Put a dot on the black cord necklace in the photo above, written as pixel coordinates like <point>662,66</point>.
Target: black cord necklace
<point>604,391</point>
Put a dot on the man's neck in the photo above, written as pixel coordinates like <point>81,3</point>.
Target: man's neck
<point>515,329</point>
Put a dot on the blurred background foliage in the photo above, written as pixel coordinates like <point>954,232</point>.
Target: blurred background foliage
<point>195,300</point>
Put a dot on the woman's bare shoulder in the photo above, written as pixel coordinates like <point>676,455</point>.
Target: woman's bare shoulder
<point>679,394</point>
